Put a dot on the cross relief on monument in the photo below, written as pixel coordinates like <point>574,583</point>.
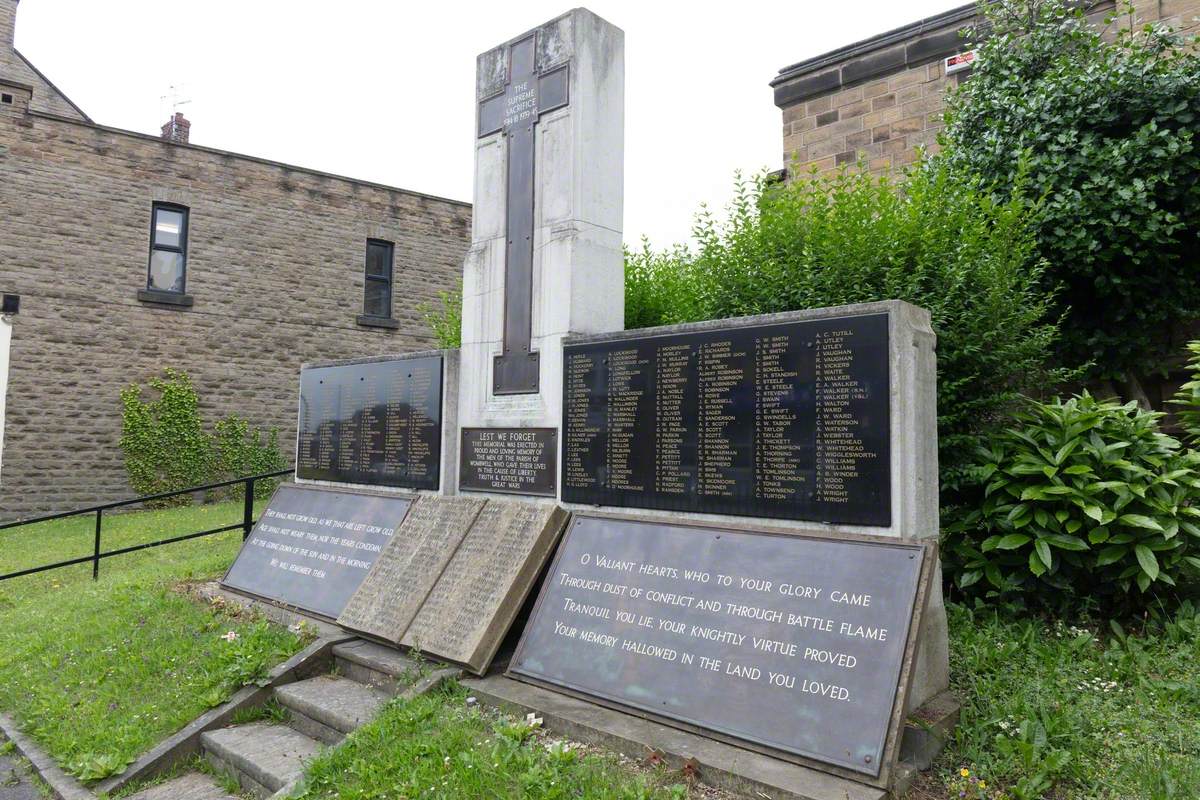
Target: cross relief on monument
<point>526,96</point>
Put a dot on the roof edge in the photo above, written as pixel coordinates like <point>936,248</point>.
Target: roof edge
<point>256,159</point>
<point>53,88</point>
<point>877,42</point>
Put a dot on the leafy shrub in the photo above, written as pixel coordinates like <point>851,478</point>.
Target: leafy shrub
<point>164,443</point>
<point>446,320</point>
<point>166,447</point>
<point>852,238</point>
<point>240,451</point>
<point>1083,500</point>
<point>1105,133</point>
<point>1188,398</point>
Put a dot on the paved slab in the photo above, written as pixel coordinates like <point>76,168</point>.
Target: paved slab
<point>375,664</point>
<point>339,703</point>
<point>16,783</point>
<point>721,765</point>
<point>270,755</point>
<point>189,786</point>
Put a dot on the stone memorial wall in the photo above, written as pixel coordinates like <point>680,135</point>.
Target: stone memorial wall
<point>312,547</point>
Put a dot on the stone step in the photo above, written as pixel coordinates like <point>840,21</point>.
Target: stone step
<point>189,786</point>
<point>328,707</point>
<point>263,757</point>
<point>375,665</point>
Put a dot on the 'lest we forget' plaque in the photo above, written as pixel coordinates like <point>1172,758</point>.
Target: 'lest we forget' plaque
<point>312,547</point>
<point>792,643</point>
<point>509,460</point>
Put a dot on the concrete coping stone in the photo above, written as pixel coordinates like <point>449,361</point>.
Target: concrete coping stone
<point>62,785</point>
<point>346,362</point>
<point>721,765</point>
<point>895,307</point>
<point>186,742</point>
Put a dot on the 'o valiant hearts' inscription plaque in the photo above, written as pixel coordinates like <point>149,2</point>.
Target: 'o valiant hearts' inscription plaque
<point>787,420</point>
<point>789,642</point>
<point>311,548</point>
<point>376,422</point>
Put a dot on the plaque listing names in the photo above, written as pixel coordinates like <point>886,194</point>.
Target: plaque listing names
<point>374,422</point>
<point>784,420</point>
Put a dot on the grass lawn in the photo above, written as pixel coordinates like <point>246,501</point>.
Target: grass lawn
<point>436,746</point>
<point>98,672</point>
<point>1052,709</point>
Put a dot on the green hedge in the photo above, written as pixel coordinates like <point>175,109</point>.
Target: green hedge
<point>934,241</point>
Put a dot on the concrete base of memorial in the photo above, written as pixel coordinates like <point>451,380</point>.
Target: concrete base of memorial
<point>716,763</point>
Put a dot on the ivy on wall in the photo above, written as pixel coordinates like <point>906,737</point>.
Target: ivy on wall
<point>167,448</point>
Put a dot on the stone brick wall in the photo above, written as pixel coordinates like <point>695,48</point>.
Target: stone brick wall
<point>882,99</point>
<point>275,268</point>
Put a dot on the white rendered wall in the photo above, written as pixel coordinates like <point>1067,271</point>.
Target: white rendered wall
<point>578,268</point>
<point>5,341</point>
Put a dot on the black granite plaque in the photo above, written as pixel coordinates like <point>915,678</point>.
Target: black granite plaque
<point>312,547</point>
<point>509,460</point>
<point>377,423</point>
<point>792,643</point>
<point>786,420</point>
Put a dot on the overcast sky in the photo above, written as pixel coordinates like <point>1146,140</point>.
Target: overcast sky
<point>384,91</point>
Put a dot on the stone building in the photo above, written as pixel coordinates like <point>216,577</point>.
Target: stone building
<point>130,253</point>
<point>882,98</point>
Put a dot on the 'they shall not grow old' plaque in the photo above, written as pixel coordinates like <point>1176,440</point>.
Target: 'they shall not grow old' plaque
<point>312,547</point>
<point>794,644</point>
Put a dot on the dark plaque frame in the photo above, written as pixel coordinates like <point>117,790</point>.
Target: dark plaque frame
<point>891,745</point>
<point>544,488</point>
<point>339,430</point>
<point>778,419</point>
<point>308,487</point>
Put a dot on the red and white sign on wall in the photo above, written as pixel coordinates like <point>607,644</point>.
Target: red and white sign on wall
<point>960,62</point>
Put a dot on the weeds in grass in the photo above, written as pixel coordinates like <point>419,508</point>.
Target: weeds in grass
<point>1077,711</point>
<point>97,672</point>
<point>271,711</point>
<point>435,746</point>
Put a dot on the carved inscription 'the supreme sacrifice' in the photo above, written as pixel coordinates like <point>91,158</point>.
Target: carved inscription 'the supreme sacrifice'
<point>786,420</point>
<point>790,642</point>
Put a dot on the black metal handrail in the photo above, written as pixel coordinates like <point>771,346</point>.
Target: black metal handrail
<point>247,523</point>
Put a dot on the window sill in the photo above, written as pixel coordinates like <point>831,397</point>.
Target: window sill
<point>377,322</point>
<point>177,299</point>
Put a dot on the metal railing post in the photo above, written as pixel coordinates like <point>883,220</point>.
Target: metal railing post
<point>247,524</point>
<point>248,509</point>
<point>96,549</point>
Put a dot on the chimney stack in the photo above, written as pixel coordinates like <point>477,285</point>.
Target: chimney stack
<point>176,130</point>
<point>8,26</point>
